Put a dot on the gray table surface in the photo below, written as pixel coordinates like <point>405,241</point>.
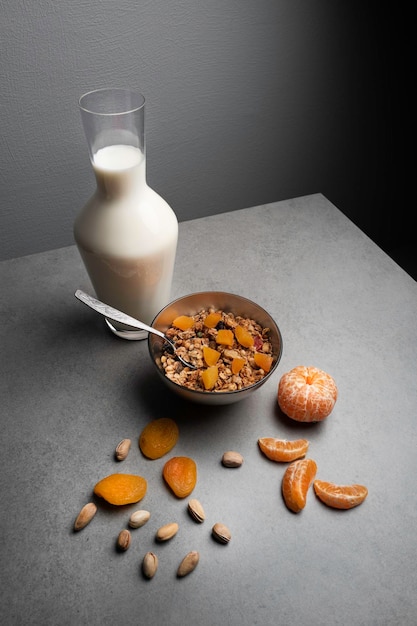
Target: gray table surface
<point>70,391</point>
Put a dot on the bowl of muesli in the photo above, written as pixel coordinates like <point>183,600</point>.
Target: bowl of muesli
<point>233,343</point>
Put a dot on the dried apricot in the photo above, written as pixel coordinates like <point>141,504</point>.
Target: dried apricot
<point>244,337</point>
<point>264,361</point>
<point>158,437</point>
<point>224,337</point>
<point>180,474</point>
<point>212,319</point>
<point>307,394</point>
<point>237,364</point>
<point>210,355</point>
<point>121,489</point>
<point>340,496</point>
<point>282,449</point>
<point>209,377</point>
<point>296,482</point>
<point>183,322</point>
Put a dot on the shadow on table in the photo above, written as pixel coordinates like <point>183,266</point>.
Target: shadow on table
<point>161,401</point>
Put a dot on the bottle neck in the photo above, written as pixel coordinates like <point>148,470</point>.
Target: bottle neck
<point>114,182</point>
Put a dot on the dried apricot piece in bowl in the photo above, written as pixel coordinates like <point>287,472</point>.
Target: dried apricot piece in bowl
<point>209,377</point>
<point>180,474</point>
<point>283,450</point>
<point>307,394</point>
<point>183,322</point>
<point>237,364</point>
<point>210,355</point>
<point>244,337</point>
<point>296,482</point>
<point>224,337</point>
<point>121,489</point>
<point>340,496</point>
<point>158,437</point>
<point>212,319</point>
<point>264,361</point>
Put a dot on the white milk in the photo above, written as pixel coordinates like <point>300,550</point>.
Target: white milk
<point>127,235</point>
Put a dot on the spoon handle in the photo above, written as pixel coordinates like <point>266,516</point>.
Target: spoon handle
<point>114,314</point>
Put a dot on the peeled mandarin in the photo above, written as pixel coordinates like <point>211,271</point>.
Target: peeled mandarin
<point>158,437</point>
<point>307,394</point>
<point>121,489</point>
<point>183,322</point>
<point>180,474</point>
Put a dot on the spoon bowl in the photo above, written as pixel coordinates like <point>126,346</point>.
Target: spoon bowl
<point>118,316</point>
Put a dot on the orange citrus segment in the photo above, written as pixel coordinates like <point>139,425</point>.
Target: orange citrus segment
<point>212,319</point>
<point>183,322</point>
<point>158,437</point>
<point>340,496</point>
<point>209,377</point>
<point>296,482</point>
<point>244,337</point>
<point>282,449</point>
<point>307,394</point>
<point>121,489</point>
<point>210,355</point>
<point>180,473</point>
<point>224,337</point>
<point>264,361</point>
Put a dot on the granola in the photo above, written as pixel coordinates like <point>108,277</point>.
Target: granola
<point>190,345</point>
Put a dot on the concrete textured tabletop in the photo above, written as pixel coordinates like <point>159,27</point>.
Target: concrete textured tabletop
<point>70,391</point>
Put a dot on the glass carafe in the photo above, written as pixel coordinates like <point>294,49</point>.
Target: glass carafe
<point>126,233</point>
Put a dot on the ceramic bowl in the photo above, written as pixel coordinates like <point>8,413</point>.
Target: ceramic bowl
<point>231,303</point>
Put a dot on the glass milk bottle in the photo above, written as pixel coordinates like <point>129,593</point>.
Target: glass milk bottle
<point>126,233</point>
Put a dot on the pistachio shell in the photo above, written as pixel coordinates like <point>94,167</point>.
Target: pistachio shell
<point>188,564</point>
<point>122,449</point>
<point>139,518</point>
<point>221,533</point>
<point>85,516</point>
<point>232,459</point>
<point>149,564</point>
<point>167,532</point>
<point>123,540</point>
<point>196,510</point>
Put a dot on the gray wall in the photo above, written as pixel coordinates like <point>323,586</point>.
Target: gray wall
<point>248,102</point>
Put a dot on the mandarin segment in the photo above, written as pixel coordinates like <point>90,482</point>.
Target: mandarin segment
<point>307,394</point>
<point>120,489</point>
<point>180,474</point>
<point>296,482</point>
<point>158,437</point>
<point>340,496</point>
<point>283,450</point>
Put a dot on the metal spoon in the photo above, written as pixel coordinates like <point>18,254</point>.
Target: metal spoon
<point>118,316</point>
